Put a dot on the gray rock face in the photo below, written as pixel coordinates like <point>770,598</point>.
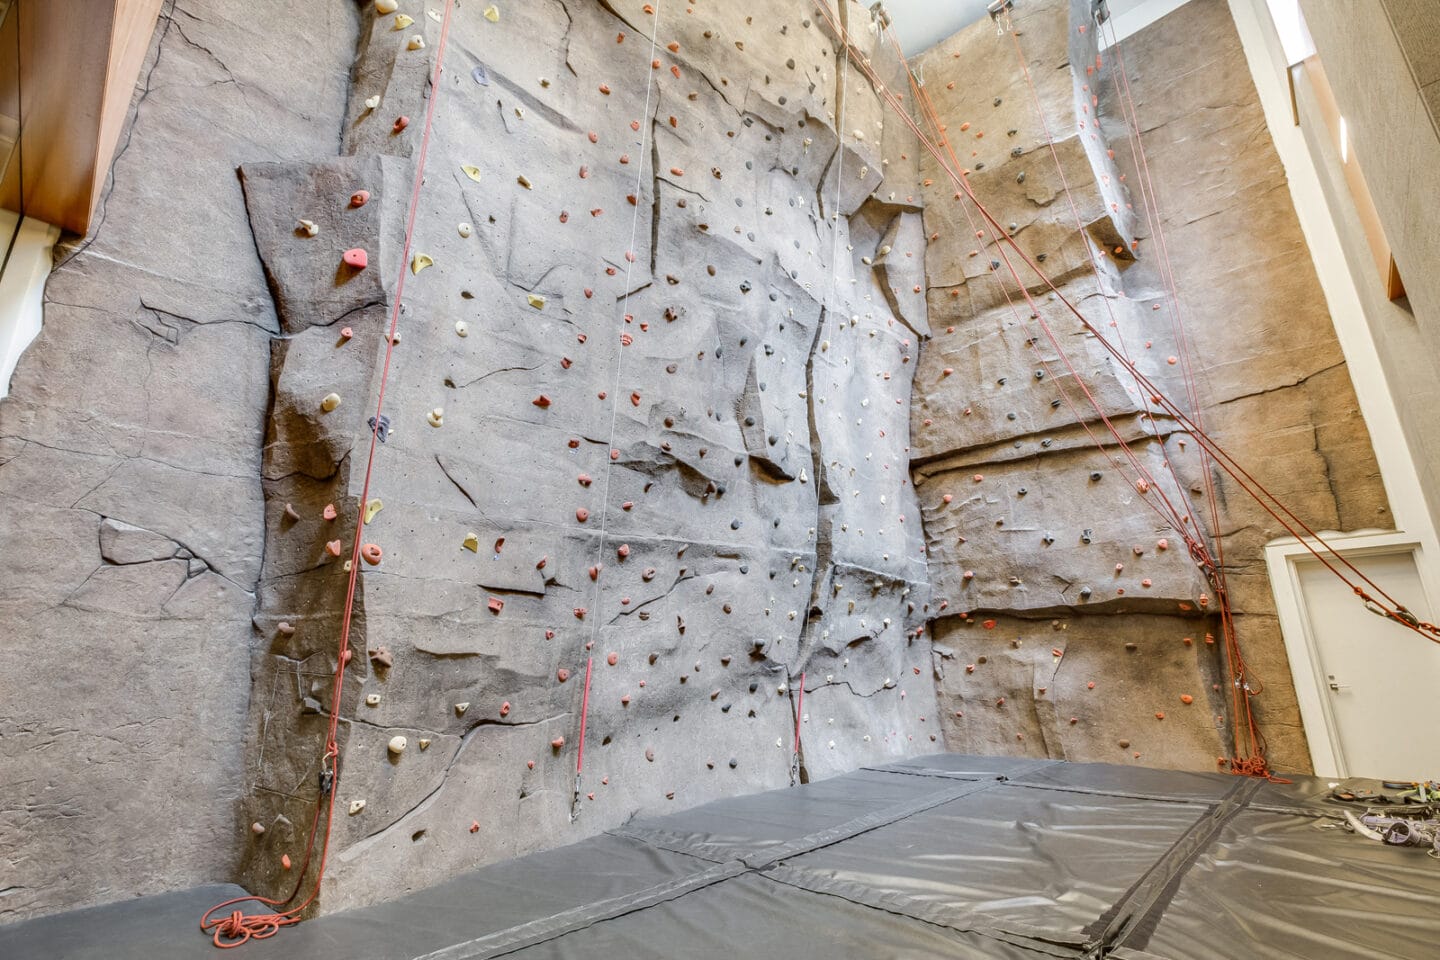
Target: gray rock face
<point>1037,539</point>
<point>649,415</point>
<point>131,509</point>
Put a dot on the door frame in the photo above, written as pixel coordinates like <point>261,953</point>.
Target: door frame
<point>1316,716</point>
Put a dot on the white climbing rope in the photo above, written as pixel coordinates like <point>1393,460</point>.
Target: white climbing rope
<point>646,123</point>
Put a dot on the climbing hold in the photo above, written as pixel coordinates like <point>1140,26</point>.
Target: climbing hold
<point>384,7</point>
<point>356,806</point>
<point>424,743</point>
<point>612,658</point>
<point>334,547</point>
<point>417,42</point>
<point>309,227</point>
<point>464,229</point>
<point>558,742</point>
<point>495,604</point>
<point>401,122</point>
<point>420,261</point>
<point>492,13</point>
<point>436,417</point>
<point>397,745</point>
<point>623,551</point>
<point>471,171</point>
<point>373,507</point>
<point>536,301</point>
<point>346,333</point>
<point>1159,715</point>
<point>359,198</point>
<point>460,708</point>
<point>1186,699</point>
<point>474,826</point>
<point>370,553</point>
<point>356,258</point>
<point>582,514</point>
<point>372,700</point>
<point>329,513</point>
<point>381,657</point>
<point>462,328</point>
<point>541,401</point>
<point>372,102</point>
<point>402,21</point>
<point>471,542</point>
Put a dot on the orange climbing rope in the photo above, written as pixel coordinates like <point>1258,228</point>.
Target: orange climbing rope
<point>237,928</point>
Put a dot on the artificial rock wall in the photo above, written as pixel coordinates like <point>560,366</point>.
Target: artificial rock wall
<point>1074,621</point>
<point>631,406</point>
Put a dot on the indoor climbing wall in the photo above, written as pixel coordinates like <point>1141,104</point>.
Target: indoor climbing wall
<point>645,451</point>
<point>1040,539</point>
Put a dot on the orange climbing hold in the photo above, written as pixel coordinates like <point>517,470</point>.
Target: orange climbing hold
<point>371,553</point>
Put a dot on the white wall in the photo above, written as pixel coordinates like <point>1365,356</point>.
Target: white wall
<point>22,289</point>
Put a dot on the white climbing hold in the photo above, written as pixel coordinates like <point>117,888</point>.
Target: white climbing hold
<point>464,229</point>
<point>492,13</point>
<point>417,42</point>
<point>436,417</point>
<point>402,21</point>
<point>397,745</point>
<point>371,102</point>
<point>310,228</point>
<point>356,806</point>
<point>384,7</point>
<point>420,261</point>
<point>471,171</point>
<point>460,708</point>
<point>331,401</point>
<point>372,700</point>
<point>462,328</point>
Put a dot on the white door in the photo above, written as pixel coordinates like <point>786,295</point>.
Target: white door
<point>1379,681</point>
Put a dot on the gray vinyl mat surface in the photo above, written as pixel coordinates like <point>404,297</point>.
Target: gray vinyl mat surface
<point>939,856</point>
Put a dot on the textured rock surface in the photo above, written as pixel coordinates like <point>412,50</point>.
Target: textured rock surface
<point>131,511</point>
<point>1036,514</point>
<point>755,520</point>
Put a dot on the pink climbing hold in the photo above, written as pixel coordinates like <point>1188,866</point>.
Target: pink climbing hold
<point>612,658</point>
<point>474,826</point>
<point>495,604</point>
<point>359,198</point>
<point>585,479</point>
<point>333,548</point>
<point>401,122</point>
<point>329,513</point>
<point>371,553</point>
<point>530,764</point>
<point>357,258</point>
<point>625,700</point>
<point>558,742</point>
<point>594,137</point>
<point>505,709</point>
<point>346,333</point>
<point>582,514</point>
<point>623,551</point>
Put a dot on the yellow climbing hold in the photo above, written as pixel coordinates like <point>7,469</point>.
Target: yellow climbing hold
<point>536,301</point>
<point>331,401</point>
<point>373,507</point>
<point>472,542</point>
<point>420,261</point>
<point>402,21</point>
<point>471,171</point>
<point>492,13</point>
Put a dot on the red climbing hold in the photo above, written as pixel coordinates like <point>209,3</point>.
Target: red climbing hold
<point>623,551</point>
<point>401,122</point>
<point>359,198</point>
<point>562,674</point>
<point>541,401</point>
<point>474,826</point>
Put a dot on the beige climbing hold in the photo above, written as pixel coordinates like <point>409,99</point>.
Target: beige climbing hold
<point>384,7</point>
<point>424,743</point>
<point>492,13</point>
<point>420,261</point>
<point>373,101</point>
<point>536,301</point>
<point>417,42</point>
<point>402,21</point>
<point>460,708</point>
<point>462,328</point>
<point>373,507</point>
<point>472,542</point>
<point>372,700</point>
<point>309,227</point>
<point>257,828</point>
<point>471,171</point>
<point>397,745</point>
<point>524,181</point>
<point>356,806</point>
<point>436,417</point>
<point>464,229</point>
<point>331,401</point>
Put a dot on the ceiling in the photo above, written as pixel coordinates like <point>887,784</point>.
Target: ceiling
<point>920,24</point>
